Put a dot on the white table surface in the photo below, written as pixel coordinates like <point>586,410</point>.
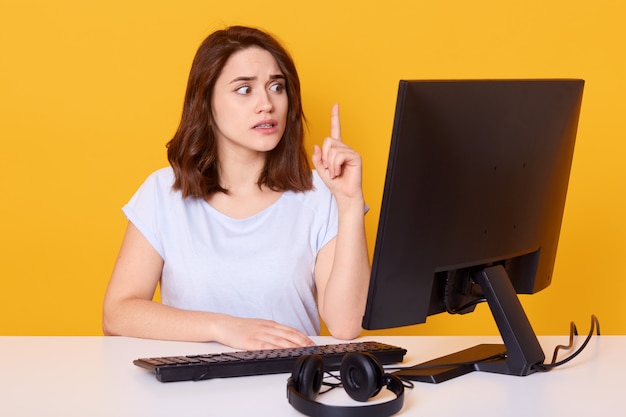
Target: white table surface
<point>95,376</point>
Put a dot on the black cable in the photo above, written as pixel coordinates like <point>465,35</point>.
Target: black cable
<point>573,331</point>
<point>332,385</point>
<point>595,326</point>
<point>464,307</point>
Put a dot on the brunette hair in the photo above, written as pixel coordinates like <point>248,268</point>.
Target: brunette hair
<point>192,152</point>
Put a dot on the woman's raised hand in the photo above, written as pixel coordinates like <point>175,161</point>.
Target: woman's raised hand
<point>338,164</point>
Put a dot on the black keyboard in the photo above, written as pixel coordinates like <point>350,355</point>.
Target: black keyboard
<point>260,362</point>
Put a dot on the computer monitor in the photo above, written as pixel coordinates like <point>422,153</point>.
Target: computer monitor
<point>474,194</point>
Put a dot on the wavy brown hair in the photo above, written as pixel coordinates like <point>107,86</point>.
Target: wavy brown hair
<point>192,152</point>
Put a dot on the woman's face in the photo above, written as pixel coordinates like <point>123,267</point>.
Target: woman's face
<point>249,102</point>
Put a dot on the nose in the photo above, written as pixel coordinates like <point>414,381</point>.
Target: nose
<point>265,103</point>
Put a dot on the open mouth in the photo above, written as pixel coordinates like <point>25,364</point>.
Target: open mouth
<point>266,124</point>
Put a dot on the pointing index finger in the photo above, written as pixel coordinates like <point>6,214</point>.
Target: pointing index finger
<point>335,125</point>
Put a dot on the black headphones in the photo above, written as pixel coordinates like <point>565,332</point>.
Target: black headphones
<point>361,375</point>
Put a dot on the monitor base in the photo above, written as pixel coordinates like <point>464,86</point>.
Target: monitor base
<point>459,363</point>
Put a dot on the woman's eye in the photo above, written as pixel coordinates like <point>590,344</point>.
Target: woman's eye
<point>243,90</point>
<point>277,88</point>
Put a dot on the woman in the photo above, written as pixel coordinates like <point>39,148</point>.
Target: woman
<point>249,245</point>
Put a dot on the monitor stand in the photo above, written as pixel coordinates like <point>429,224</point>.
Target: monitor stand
<point>518,355</point>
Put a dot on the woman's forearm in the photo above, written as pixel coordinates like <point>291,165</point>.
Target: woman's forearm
<point>345,293</point>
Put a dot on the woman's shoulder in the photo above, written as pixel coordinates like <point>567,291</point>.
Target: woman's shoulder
<point>163,175</point>
<point>157,185</point>
<point>159,181</point>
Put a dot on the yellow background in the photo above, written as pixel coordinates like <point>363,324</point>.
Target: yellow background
<point>90,92</point>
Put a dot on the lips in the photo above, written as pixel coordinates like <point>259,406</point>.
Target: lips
<point>266,124</point>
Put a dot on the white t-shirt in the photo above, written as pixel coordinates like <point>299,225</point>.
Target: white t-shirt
<point>258,267</point>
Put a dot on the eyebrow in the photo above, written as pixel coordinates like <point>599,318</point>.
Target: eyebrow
<point>244,78</point>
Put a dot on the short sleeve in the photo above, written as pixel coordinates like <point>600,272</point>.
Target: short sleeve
<point>148,204</point>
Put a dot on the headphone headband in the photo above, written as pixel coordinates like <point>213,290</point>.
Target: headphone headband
<point>310,407</point>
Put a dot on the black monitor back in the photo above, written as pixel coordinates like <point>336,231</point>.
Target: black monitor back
<point>477,175</point>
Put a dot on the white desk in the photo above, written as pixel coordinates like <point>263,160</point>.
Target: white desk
<point>94,376</point>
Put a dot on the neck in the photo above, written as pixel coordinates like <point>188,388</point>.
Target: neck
<point>241,173</point>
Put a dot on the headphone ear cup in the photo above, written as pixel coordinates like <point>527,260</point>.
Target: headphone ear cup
<point>362,375</point>
<point>307,375</point>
